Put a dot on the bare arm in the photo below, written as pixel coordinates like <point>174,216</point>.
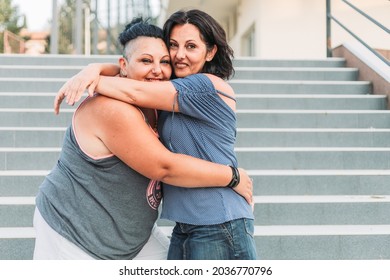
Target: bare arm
<point>94,77</point>
<point>125,133</point>
<point>159,95</point>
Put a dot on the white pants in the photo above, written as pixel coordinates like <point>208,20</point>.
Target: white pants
<point>50,245</point>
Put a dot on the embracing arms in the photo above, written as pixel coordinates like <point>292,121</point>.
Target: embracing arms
<point>101,77</point>
<point>161,95</point>
<point>124,132</point>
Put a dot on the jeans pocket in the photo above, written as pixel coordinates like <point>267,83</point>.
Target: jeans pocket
<point>249,227</point>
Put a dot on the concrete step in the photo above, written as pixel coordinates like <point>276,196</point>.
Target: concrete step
<point>321,182</point>
<point>324,242</point>
<point>20,247</point>
<point>21,207</point>
<point>31,136</point>
<point>266,182</point>
<point>26,100</point>
<point>240,86</point>
<point>311,101</point>
<point>31,84</point>
<point>12,117</point>
<point>248,158</point>
<point>258,73</point>
<point>313,118</point>
<point>321,210</point>
<point>28,158</point>
<point>245,118</point>
<point>56,60</point>
<point>316,242</point>
<point>296,73</point>
<point>268,210</point>
<point>38,71</point>
<point>244,101</point>
<point>20,137</point>
<point>21,182</point>
<point>300,87</point>
<point>313,158</point>
<point>82,60</point>
<point>290,137</point>
<point>255,62</point>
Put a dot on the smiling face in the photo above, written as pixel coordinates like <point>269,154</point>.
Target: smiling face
<point>147,59</point>
<point>188,51</point>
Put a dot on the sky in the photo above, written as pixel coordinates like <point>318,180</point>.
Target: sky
<point>38,12</point>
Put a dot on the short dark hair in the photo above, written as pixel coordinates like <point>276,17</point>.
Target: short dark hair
<point>139,27</point>
<point>212,34</point>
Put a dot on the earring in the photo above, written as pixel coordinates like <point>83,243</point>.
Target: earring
<point>122,74</point>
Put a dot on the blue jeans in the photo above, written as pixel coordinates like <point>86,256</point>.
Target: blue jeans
<point>232,240</point>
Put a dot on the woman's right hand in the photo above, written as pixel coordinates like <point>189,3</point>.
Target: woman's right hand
<point>73,89</point>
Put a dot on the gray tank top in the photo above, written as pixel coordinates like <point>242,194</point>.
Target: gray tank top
<point>101,205</point>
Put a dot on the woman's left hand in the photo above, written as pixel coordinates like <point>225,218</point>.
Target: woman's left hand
<point>245,187</point>
<point>74,88</point>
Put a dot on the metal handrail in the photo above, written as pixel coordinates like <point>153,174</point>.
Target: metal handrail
<point>367,16</point>
<point>330,17</point>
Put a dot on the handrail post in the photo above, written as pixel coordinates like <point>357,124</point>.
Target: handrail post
<point>54,29</point>
<point>328,30</point>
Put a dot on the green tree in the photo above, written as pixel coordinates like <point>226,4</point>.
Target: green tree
<point>10,20</point>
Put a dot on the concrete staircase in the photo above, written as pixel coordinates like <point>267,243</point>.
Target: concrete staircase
<point>313,138</point>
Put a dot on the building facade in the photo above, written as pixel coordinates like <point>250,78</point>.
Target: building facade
<point>290,28</point>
